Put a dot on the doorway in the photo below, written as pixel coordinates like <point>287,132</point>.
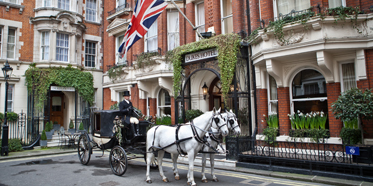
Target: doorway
<point>215,94</point>
<point>56,109</point>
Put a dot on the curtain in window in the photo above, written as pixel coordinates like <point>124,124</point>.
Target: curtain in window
<point>91,10</point>
<point>286,6</point>
<point>272,88</point>
<point>173,30</point>
<point>152,41</point>
<point>62,47</point>
<point>10,98</point>
<point>121,2</point>
<point>45,45</point>
<point>201,17</point>
<point>335,3</point>
<point>1,41</point>
<point>11,43</point>
<point>348,76</point>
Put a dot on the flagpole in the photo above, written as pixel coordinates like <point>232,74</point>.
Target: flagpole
<point>191,24</point>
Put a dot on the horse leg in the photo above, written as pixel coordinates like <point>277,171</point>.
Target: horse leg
<point>212,163</point>
<point>204,179</point>
<point>149,160</point>
<point>160,159</point>
<point>174,166</point>
<point>191,157</point>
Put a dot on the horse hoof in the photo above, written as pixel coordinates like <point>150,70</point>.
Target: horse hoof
<point>215,180</point>
<point>189,183</point>
<point>149,181</point>
<point>204,181</point>
<point>165,180</point>
<point>177,177</point>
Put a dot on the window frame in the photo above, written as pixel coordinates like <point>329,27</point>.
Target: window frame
<point>88,9</point>
<point>64,2</point>
<point>270,101</point>
<point>1,41</point>
<point>90,54</point>
<point>45,2</point>
<point>224,19</point>
<point>343,4</point>
<point>176,33</point>
<point>62,47</point>
<point>275,9</point>
<point>146,38</point>
<point>118,60</point>
<point>41,45</point>
<point>10,101</point>
<point>196,19</point>
<point>341,73</point>
<point>15,43</point>
<point>159,107</point>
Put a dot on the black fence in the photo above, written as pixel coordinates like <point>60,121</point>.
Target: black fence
<point>303,157</point>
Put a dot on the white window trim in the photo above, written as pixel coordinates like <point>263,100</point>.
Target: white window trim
<point>223,18</point>
<point>168,32</point>
<point>15,43</point>
<point>96,17</point>
<point>68,49</point>
<point>196,18</point>
<point>341,75</point>
<point>95,55</point>
<point>117,58</point>
<point>269,96</point>
<point>12,100</point>
<point>164,106</point>
<point>41,45</point>
<point>301,99</point>
<point>1,41</point>
<point>69,5</point>
<point>146,39</point>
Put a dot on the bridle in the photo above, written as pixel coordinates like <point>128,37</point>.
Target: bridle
<point>217,121</point>
<point>230,121</point>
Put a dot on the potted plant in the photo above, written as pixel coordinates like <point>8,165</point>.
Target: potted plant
<point>43,139</point>
<point>49,130</point>
<point>71,127</point>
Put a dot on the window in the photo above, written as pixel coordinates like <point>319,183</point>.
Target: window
<point>124,58</point>
<point>62,47</point>
<point>286,6</point>
<point>91,10</point>
<point>121,4</point>
<point>173,30</point>
<point>200,18</point>
<point>64,4</point>
<point>348,76</point>
<point>164,103</point>
<point>151,40</point>
<point>10,98</point>
<point>336,3</point>
<point>45,46</point>
<point>90,54</point>
<point>272,95</point>
<point>227,16</point>
<point>11,46</point>
<point>1,41</point>
<point>47,3</point>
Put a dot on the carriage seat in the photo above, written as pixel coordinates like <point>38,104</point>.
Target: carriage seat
<point>97,133</point>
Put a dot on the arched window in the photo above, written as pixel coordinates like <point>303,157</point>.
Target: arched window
<point>309,92</point>
<point>164,103</point>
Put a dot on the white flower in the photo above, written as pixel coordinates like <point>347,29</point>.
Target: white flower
<point>262,121</point>
<point>322,112</point>
<point>289,115</point>
<point>298,111</point>
<point>264,115</point>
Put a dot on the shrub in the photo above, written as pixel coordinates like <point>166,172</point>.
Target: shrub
<point>11,116</point>
<point>14,145</point>
<point>165,120</point>
<point>48,126</point>
<point>43,136</point>
<point>1,117</point>
<point>350,136</point>
<point>71,125</point>
<point>81,127</point>
<point>193,113</point>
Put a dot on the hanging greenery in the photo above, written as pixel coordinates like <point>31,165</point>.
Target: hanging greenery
<point>40,79</point>
<point>115,72</point>
<point>227,46</point>
<point>145,59</point>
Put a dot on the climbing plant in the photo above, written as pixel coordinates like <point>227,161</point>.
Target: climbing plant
<point>145,59</point>
<point>227,46</point>
<point>115,72</point>
<point>40,79</point>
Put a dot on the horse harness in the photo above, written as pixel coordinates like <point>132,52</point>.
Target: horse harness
<point>195,135</point>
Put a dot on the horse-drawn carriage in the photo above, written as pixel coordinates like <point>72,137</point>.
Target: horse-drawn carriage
<point>108,132</point>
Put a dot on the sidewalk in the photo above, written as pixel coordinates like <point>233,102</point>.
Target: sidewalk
<point>220,163</point>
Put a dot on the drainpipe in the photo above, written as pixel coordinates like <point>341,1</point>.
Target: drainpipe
<point>252,73</point>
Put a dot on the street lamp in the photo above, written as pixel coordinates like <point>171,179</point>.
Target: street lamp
<point>204,90</point>
<point>7,70</point>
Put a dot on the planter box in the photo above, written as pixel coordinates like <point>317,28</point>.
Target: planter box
<point>50,134</point>
<point>43,143</point>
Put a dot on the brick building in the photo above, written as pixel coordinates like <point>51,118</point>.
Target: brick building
<point>307,65</point>
<point>50,33</point>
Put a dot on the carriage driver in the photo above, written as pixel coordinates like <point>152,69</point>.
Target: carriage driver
<point>126,108</point>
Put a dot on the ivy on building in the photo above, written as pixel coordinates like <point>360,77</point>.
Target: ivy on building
<point>227,46</point>
<point>38,81</point>
<point>115,72</point>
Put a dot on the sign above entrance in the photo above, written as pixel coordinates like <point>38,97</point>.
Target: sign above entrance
<point>202,55</point>
<point>67,89</point>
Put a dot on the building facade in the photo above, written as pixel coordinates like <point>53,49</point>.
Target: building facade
<point>305,66</point>
<point>51,33</point>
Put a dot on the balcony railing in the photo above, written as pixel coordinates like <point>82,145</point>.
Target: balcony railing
<point>119,8</point>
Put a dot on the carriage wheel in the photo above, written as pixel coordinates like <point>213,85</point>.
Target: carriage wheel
<point>118,160</point>
<point>83,149</point>
<point>154,164</point>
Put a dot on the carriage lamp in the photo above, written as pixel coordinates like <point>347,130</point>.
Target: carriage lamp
<point>7,70</point>
<point>205,90</point>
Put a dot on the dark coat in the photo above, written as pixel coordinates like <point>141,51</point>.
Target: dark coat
<point>127,110</point>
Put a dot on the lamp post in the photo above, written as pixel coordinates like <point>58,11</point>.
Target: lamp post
<point>7,70</point>
<point>204,90</point>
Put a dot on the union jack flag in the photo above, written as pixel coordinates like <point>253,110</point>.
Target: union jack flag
<point>145,14</point>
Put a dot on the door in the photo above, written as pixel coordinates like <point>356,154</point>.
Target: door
<point>57,104</point>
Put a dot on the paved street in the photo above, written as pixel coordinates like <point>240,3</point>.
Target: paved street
<point>65,169</point>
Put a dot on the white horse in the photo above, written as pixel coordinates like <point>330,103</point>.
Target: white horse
<point>177,140</point>
<point>214,142</point>
<point>231,121</point>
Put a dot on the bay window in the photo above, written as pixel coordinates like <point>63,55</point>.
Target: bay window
<point>62,47</point>
<point>44,45</point>
<point>64,4</point>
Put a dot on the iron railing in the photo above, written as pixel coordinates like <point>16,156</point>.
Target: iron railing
<point>119,8</point>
